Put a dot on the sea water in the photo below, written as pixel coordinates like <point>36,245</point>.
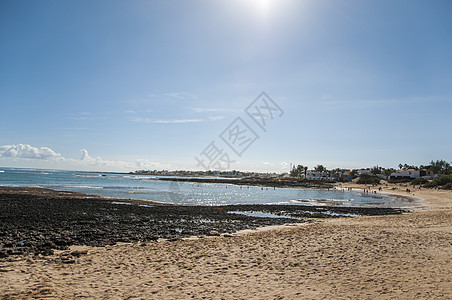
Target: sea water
<point>142,187</point>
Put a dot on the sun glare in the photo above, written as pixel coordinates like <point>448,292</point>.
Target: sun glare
<point>264,6</point>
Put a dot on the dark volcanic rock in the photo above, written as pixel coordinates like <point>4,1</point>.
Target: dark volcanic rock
<point>40,224</point>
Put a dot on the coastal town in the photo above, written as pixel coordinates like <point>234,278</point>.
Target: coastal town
<point>424,174</point>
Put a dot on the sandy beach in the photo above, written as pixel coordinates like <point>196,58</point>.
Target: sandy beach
<point>397,256</point>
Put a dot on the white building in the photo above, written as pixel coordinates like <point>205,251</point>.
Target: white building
<point>381,176</point>
<point>314,175</point>
<point>364,171</point>
<point>408,174</point>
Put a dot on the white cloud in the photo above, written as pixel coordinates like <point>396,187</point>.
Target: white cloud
<point>176,121</point>
<point>206,109</point>
<point>284,167</point>
<point>22,155</point>
<point>78,118</point>
<point>86,116</point>
<point>144,164</point>
<point>98,161</point>
<point>215,118</point>
<point>201,109</point>
<point>73,128</point>
<point>141,111</point>
<point>181,95</point>
<point>28,151</point>
<point>176,95</point>
<point>85,155</point>
<point>330,101</point>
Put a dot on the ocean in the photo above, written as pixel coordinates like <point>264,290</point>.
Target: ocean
<point>141,187</point>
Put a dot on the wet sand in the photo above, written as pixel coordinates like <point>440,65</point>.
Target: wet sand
<point>397,256</point>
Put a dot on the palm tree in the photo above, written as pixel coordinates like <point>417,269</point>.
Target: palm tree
<point>320,168</point>
<point>440,167</point>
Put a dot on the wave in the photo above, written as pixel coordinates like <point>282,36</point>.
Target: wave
<point>114,187</point>
<point>279,203</point>
<point>136,192</point>
<point>144,205</point>
<point>329,213</point>
<point>83,187</point>
<point>145,178</point>
<point>324,200</point>
<point>88,176</point>
<point>95,187</point>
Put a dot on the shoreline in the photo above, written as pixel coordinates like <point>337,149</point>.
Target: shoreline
<point>426,197</point>
<point>385,191</point>
<point>338,186</point>
<point>36,221</point>
<point>393,256</point>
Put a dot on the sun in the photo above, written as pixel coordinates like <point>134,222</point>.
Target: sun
<point>263,7</point>
<point>266,13</point>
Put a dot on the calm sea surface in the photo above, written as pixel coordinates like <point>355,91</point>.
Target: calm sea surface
<point>147,188</point>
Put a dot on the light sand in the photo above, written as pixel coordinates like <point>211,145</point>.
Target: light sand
<point>400,256</point>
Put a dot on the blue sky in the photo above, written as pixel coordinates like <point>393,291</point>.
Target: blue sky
<point>123,85</point>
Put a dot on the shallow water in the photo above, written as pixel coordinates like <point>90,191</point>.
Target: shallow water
<point>148,188</point>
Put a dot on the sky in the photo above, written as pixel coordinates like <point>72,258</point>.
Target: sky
<point>113,85</point>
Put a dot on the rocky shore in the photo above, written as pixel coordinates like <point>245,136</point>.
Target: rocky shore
<point>38,221</point>
<point>400,256</point>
